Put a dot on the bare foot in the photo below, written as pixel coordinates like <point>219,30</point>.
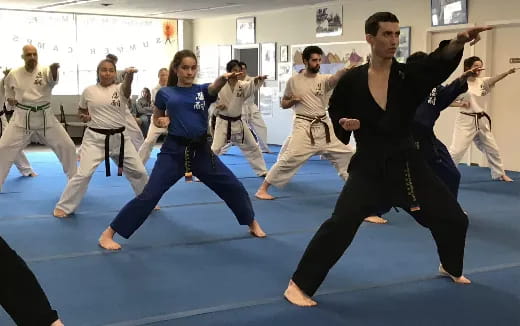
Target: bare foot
<point>106,240</point>
<point>59,213</point>
<point>295,295</point>
<point>461,279</point>
<point>157,208</point>
<point>376,219</point>
<point>262,193</point>
<point>505,178</point>
<point>256,230</point>
<point>57,323</point>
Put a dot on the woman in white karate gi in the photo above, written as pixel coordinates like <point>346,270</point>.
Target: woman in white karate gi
<point>103,107</point>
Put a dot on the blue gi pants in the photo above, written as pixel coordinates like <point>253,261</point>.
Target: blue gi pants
<point>168,169</point>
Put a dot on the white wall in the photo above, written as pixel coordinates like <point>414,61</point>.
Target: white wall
<point>296,26</point>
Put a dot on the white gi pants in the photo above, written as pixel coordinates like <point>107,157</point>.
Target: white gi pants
<point>15,139</point>
<point>133,131</point>
<point>92,154</point>
<point>298,149</point>
<point>151,138</point>
<point>255,121</point>
<point>247,144</point>
<point>470,129</point>
<point>21,162</point>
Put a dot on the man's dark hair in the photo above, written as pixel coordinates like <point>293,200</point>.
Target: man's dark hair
<point>310,50</point>
<point>416,57</point>
<point>232,64</point>
<point>470,61</point>
<point>372,23</point>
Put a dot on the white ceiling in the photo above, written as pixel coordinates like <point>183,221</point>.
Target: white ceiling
<point>186,9</point>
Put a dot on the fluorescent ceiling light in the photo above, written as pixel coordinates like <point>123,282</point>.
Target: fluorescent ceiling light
<point>65,3</point>
<point>229,5</point>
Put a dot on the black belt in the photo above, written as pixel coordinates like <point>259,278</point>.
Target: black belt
<point>229,120</point>
<point>313,120</point>
<point>477,117</point>
<point>191,144</point>
<point>108,133</point>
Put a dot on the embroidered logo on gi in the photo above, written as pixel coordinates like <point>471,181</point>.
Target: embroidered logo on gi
<point>39,79</point>
<point>432,99</point>
<point>200,104</point>
<point>319,90</point>
<point>116,101</point>
<point>240,91</point>
<point>483,90</point>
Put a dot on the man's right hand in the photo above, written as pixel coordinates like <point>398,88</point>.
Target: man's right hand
<point>350,124</point>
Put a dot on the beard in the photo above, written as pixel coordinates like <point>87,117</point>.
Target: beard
<point>314,70</point>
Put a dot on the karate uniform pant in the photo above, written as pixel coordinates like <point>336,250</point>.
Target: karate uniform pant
<point>439,212</point>
<point>466,131</point>
<point>247,145</point>
<point>168,169</point>
<point>15,139</point>
<point>133,130</point>
<point>444,168</point>
<point>20,293</point>
<point>21,162</point>
<point>151,138</point>
<point>256,123</point>
<point>298,149</point>
<point>92,154</point>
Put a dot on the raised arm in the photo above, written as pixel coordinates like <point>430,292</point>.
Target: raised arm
<point>54,71</point>
<point>127,82</point>
<point>471,36</point>
<point>493,80</point>
<point>333,81</point>
<point>217,85</point>
<point>447,96</point>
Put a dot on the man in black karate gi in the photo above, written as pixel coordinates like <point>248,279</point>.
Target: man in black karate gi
<point>378,101</point>
<point>432,149</point>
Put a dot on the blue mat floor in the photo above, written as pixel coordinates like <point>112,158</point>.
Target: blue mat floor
<point>192,264</point>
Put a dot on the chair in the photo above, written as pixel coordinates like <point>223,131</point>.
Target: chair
<point>66,124</point>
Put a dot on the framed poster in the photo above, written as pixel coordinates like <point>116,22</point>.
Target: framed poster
<point>246,30</point>
<point>268,60</point>
<point>284,53</point>
<point>449,12</point>
<point>329,21</point>
<point>403,51</point>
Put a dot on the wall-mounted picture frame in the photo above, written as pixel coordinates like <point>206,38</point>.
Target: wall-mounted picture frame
<point>403,51</point>
<point>284,53</point>
<point>246,30</point>
<point>268,60</point>
<point>449,12</point>
<point>329,20</point>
